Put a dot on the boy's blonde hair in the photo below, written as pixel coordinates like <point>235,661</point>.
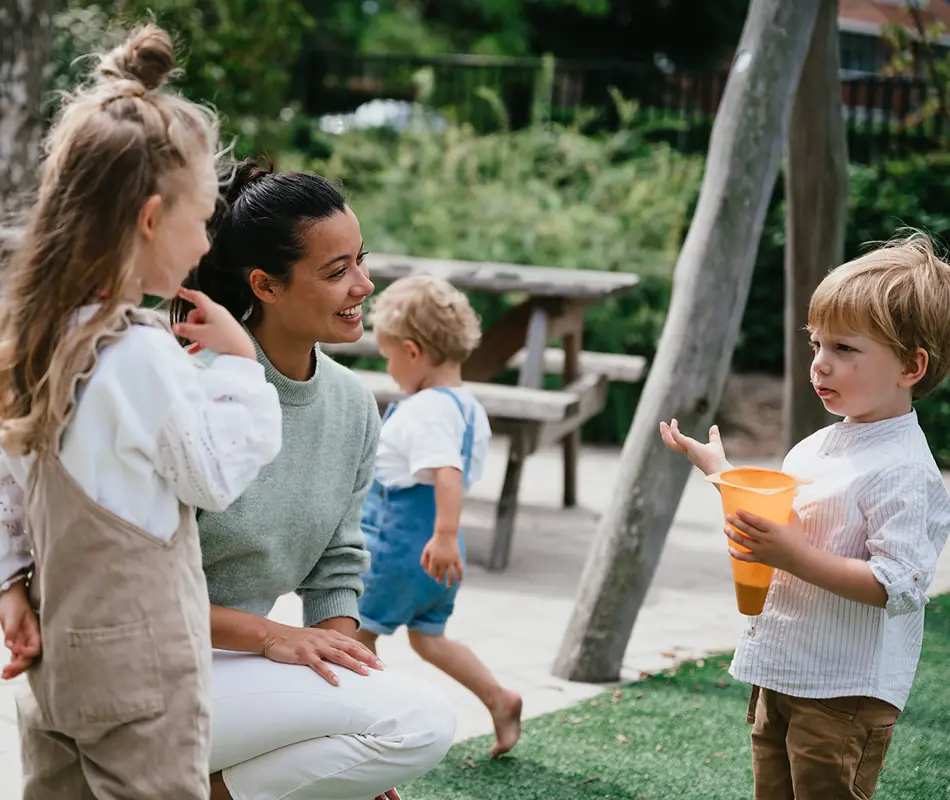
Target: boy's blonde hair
<point>432,313</point>
<point>116,141</point>
<point>899,295</point>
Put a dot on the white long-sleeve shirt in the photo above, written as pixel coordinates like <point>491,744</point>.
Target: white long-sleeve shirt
<point>152,427</point>
<point>878,496</point>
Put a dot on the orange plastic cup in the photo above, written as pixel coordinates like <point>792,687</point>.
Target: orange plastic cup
<point>766,493</point>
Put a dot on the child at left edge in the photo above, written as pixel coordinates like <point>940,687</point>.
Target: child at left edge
<point>432,447</point>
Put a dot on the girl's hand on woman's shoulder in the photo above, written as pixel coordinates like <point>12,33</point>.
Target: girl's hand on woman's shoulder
<point>317,648</point>
<point>209,325</point>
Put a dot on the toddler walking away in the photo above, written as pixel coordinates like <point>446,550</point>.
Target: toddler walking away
<point>832,656</point>
<point>111,434</point>
<point>432,447</point>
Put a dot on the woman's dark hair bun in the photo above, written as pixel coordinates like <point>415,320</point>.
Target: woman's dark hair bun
<point>236,176</point>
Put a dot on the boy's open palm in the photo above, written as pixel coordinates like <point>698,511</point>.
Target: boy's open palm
<point>708,458</point>
<point>211,326</point>
<point>21,631</point>
<point>442,560</point>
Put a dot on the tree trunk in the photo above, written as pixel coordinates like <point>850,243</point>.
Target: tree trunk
<point>711,285</point>
<point>26,32</point>
<point>816,193</point>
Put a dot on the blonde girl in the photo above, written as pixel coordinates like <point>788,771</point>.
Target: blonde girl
<point>111,435</point>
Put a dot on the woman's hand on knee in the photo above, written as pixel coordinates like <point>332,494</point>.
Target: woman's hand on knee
<point>317,648</point>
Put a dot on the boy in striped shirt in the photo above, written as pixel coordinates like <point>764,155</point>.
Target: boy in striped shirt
<point>832,657</point>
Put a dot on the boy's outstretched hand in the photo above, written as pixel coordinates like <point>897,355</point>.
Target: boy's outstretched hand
<point>708,458</point>
<point>21,631</point>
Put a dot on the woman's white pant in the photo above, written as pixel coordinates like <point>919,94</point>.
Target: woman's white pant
<point>281,732</point>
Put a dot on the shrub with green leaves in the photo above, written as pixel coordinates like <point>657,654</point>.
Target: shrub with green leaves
<point>238,55</point>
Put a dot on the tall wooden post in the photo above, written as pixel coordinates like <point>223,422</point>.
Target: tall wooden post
<point>711,285</point>
<point>816,193</point>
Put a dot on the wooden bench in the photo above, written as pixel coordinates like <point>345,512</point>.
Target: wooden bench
<point>547,305</point>
<point>531,418</point>
<point>613,366</point>
<point>500,402</point>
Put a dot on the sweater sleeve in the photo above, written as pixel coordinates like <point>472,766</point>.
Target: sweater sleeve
<point>14,543</point>
<point>334,584</point>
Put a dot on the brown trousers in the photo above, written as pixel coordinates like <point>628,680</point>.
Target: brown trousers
<point>828,749</point>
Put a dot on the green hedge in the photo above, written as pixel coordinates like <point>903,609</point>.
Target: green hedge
<point>614,202</point>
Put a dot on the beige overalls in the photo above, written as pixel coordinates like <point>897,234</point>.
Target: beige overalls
<point>119,700</point>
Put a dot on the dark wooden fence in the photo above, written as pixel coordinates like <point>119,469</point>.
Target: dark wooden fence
<point>882,114</point>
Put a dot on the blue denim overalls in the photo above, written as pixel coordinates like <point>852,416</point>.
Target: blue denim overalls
<point>398,523</point>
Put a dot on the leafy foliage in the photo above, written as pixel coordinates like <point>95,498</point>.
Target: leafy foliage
<point>238,55</point>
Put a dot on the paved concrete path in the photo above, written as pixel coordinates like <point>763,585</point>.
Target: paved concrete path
<point>515,620</point>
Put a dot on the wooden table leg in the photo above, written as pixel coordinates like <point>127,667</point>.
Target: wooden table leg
<point>507,507</point>
<point>532,372</point>
<point>571,445</point>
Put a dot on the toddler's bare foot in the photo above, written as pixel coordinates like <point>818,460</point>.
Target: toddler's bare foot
<point>506,714</point>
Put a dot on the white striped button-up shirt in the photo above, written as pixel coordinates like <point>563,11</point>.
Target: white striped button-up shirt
<point>879,496</point>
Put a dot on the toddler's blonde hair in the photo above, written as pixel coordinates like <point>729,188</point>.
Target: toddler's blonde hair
<point>899,295</point>
<point>432,313</point>
<point>118,140</point>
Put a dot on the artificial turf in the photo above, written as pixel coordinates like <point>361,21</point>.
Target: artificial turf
<point>683,735</point>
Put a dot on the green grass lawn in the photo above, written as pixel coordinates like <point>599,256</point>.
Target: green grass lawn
<point>683,736</point>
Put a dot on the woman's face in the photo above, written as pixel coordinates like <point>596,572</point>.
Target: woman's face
<point>323,300</point>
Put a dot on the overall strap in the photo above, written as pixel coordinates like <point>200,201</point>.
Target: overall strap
<point>469,437</point>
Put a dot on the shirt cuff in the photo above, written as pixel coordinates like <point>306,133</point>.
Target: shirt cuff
<point>321,605</point>
<point>906,591</point>
<point>10,565</point>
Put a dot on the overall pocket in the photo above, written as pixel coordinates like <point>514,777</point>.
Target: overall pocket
<point>113,677</point>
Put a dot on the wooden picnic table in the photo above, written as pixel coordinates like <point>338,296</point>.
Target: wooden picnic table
<point>551,308</point>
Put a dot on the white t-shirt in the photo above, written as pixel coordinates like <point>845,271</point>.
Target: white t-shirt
<point>426,431</point>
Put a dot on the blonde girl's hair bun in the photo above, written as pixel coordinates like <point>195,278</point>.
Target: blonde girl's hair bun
<point>146,57</point>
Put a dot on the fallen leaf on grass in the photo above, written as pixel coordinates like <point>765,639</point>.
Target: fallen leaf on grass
<point>716,755</point>
<point>469,764</point>
<point>638,695</point>
<point>624,739</point>
<point>722,684</point>
<point>617,695</point>
<point>591,779</point>
<point>659,747</point>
